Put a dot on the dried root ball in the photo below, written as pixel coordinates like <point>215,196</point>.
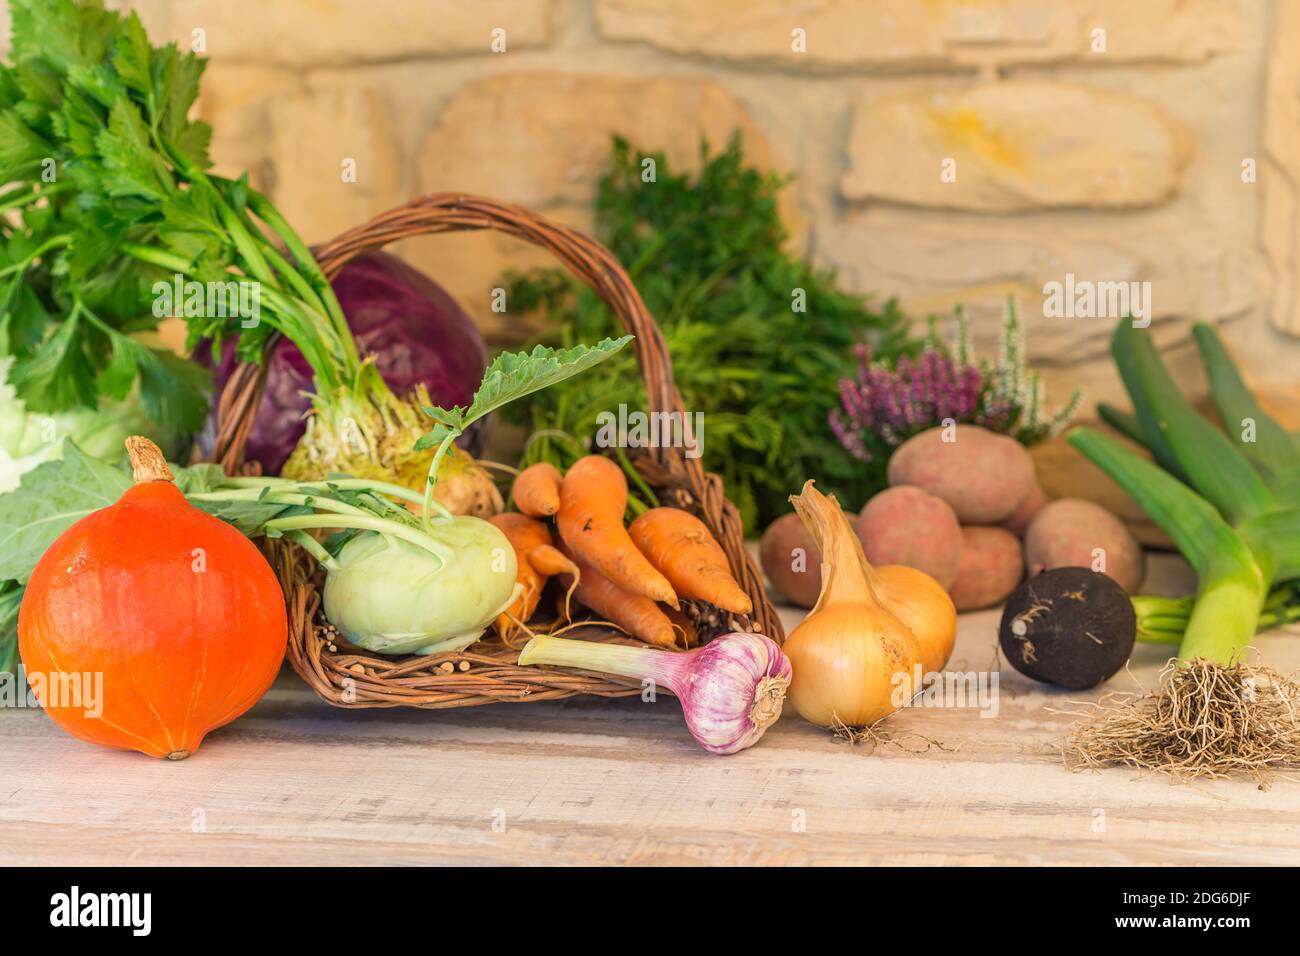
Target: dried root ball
<point>1072,532</point>
<point>791,561</point>
<point>982,475</point>
<point>908,526</point>
<point>991,566</point>
<point>1069,626</point>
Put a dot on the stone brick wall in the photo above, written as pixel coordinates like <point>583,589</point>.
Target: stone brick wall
<point>945,151</point>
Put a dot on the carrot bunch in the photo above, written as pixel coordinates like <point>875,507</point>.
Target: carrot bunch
<point>632,576</point>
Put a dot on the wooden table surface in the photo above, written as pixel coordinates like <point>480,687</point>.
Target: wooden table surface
<point>620,782</point>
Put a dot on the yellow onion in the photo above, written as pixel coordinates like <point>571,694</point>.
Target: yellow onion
<point>854,660</point>
<point>920,602</point>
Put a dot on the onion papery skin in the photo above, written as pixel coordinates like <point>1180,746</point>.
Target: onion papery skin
<point>853,664</point>
<point>920,602</point>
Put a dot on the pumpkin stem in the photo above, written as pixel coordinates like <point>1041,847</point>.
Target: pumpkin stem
<point>147,460</point>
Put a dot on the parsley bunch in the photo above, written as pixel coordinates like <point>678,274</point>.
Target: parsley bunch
<point>709,256</point>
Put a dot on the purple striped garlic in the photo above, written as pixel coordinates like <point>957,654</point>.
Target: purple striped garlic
<point>731,689</point>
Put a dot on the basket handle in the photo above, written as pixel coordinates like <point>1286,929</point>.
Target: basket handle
<point>693,488</point>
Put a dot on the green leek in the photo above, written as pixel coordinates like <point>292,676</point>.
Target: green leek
<point>1230,507</point>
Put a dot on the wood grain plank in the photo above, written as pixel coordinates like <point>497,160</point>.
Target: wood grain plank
<point>620,782</point>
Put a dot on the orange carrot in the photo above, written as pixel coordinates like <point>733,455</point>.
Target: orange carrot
<point>680,546</point>
<point>637,615</point>
<point>536,559</point>
<point>593,497</point>
<point>537,490</point>
<point>548,562</point>
<point>684,625</point>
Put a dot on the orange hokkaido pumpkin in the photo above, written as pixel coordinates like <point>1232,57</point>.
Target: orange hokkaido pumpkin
<point>173,615</point>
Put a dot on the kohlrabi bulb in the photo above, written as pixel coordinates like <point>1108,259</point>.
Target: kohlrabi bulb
<point>396,597</point>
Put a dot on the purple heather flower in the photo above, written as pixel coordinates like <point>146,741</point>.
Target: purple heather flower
<point>891,405</point>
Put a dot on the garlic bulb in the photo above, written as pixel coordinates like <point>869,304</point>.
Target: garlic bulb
<point>731,689</point>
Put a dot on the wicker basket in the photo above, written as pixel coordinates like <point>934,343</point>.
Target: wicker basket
<point>486,672</point>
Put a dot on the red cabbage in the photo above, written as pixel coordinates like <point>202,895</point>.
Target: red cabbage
<point>416,331</point>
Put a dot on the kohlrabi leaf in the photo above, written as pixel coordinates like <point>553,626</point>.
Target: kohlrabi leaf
<point>56,494</point>
<point>204,476</point>
<point>52,497</point>
<point>249,518</point>
<point>513,375</point>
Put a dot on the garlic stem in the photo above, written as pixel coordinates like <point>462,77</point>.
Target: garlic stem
<point>638,662</point>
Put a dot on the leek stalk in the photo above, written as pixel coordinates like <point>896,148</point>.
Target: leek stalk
<point>1230,504</point>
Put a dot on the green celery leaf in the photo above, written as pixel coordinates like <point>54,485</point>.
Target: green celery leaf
<point>63,32</point>
<point>23,318</point>
<point>174,390</point>
<point>56,376</point>
<point>132,55</point>
<point>195,140</point>
<point>133,167</point>
<point>98,83</point>
<point>176,78</point>
<point>21,148</point>
<point>117,377</point>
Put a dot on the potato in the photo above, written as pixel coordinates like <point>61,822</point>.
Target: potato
<point>1071,533</point>
<point>992,564</point>
<point>906,525</point>
<point>1018,523</point>
<point>791,560</point>
<point>983,476</point>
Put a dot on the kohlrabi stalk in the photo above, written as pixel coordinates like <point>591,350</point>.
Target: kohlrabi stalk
<point>731,689</point>
<point>392,584</point>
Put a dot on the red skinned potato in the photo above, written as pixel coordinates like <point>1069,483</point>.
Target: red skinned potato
<point>791,560</point>
<point>1018,523</point>
<point>992,564</point>
<point>982,475</point>
<point>1072,532</point>
<point>908,526</point>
